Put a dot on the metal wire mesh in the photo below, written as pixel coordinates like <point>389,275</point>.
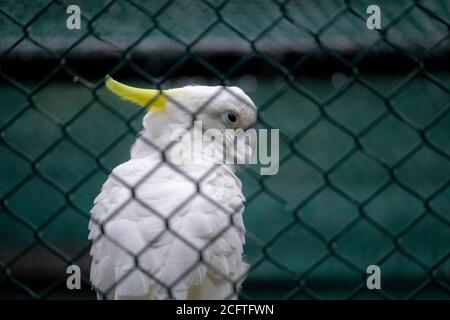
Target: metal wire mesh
<point>365,163</point>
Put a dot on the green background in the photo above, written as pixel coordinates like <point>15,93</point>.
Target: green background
<point>362,179</point>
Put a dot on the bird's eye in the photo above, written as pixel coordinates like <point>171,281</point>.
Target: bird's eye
<point>231,118</point>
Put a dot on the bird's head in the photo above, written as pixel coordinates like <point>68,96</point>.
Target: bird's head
<point>217,107</point>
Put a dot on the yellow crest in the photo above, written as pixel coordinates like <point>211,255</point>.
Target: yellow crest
<point>150,98</point>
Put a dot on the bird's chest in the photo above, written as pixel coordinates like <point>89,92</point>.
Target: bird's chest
<point>225,188</point>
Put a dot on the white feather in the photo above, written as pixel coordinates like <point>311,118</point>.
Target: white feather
<point>151,228</point>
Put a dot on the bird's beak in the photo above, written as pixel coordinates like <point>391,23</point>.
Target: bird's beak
<point>151,98</point>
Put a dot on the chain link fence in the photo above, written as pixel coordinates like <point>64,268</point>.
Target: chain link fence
<point>363,116</point>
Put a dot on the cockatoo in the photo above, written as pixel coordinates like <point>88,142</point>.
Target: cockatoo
<point>166,229</point>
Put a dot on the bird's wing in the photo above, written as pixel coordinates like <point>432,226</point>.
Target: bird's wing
<point>148,209</point>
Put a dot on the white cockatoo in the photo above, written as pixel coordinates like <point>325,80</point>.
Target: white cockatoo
<point>168,227</point>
